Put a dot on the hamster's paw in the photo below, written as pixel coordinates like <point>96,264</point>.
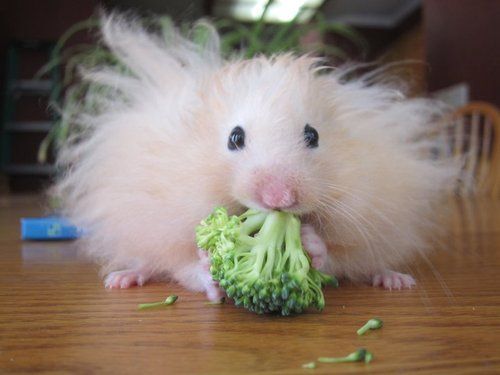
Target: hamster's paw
<point>204,259</point>
<point>125,279</point>
<point>393,280</point>
<point>213,291</point>
<point>314,245</point>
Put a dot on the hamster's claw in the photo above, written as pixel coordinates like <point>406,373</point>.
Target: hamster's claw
<point>314,246</point>
<point>125,279</point>
<point>393,280</point>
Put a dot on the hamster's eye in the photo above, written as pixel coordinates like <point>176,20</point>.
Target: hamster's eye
<point>236,140</point>
<point>311,136</point>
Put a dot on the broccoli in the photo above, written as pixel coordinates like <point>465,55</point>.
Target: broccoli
<point>170,300</point>
<point>258,259</point>
<point>360,355</point>
<point>309,365</point>
<point>373,323</point>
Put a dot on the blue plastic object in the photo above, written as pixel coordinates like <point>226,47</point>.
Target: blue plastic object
<point>48,228</point>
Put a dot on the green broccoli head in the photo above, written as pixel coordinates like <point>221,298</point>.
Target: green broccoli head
<point>258,259</point>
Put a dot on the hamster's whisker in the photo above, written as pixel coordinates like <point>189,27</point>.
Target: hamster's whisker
<point>349,215</point>
<point>437,275</point>
<point>350,191</point>
<point>375,230</point>
<point>372,207</point>
<point>325,211</point>
<point>422,254</point>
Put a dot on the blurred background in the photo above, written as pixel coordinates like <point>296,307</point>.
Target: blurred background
<point>449,49</point>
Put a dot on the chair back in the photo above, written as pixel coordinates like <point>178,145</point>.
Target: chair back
<point>475,140</point>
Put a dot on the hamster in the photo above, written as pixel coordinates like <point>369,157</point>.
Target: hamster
<point>186,130</point>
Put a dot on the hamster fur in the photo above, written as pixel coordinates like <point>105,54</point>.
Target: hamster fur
<point>143,172</point>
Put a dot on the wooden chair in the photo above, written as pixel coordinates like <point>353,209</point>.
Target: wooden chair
<point>475,140</point>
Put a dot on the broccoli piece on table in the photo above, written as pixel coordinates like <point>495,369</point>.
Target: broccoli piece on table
<point>360,355</point>
<point>309,365</point>
<point>170,300</point>
<point>373,323</point>
<point>258,259</point>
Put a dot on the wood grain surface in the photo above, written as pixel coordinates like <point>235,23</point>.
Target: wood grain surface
<point>56,317</point>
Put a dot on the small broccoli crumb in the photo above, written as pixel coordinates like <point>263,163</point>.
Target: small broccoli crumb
<point>373,323</point>
<point>170,300</point>
<point>360,355</point>
<point>309,365</point>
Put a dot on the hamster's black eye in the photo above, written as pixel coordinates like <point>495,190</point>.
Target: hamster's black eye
<point>236,139</point>
<point>311,136</point>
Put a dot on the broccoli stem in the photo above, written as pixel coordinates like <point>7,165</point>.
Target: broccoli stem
<point>373,323</point>
<point>359,355</point>
<point>274,223</point>
<point>299,262</point>
<point>270,238</point>
<point>253,221</point>
<point>170,300</point>
<point>309,365</point>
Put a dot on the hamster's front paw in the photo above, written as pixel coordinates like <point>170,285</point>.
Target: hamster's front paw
<point>393,280</point>
<point>126,278</point>
<point>314,245</point>
<point>213,291</point>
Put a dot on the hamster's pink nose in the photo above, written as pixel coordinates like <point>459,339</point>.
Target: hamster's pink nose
<point>277,194</point>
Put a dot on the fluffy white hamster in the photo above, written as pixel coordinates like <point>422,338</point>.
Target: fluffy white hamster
<point>188,131</point>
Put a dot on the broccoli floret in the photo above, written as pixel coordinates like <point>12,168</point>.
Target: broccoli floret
<point>258,259</point>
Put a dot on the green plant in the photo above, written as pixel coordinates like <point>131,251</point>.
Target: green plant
<point>258,259</point>
<point>76,92</point>
<point>269,39</point>
<point>246,40</point>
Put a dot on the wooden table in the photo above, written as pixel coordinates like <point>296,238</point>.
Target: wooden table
<point>56,317</point>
